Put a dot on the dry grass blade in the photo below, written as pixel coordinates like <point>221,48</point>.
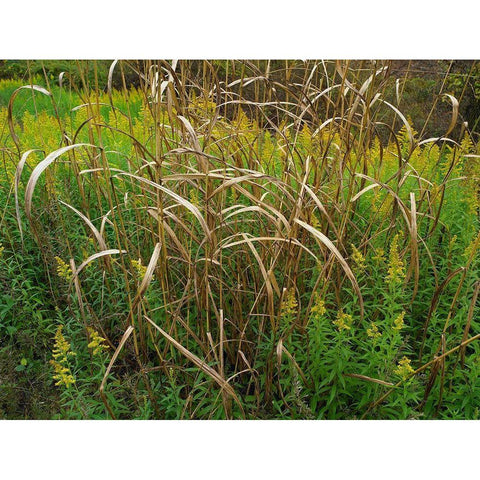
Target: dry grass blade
<point>182,201</point>
<point>171,233</point>
<point>147,278</point>
<point>18,175</point>
<point>96,233</point>
<point>266,239</point>
<point>266,277</point>
<point>213,374</point>
<point>399,201</point>
<point>38,170</point>
<point>90,259</point>
<point>110,81</point>
<point>36,88</point>
<point>348,271</point>
<point>195,143</point>
<point>321,208</point>
<point>405,122</point>
<point>454,113</point>
<point>368,379</point>
<point>415,260</point>
<point>365,190</point>
<point>281,349</point>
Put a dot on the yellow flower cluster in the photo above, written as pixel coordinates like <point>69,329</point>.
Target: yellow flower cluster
<point>40,130</point>
<point>344,321</point>
<point>97,343</point>
<point>60,354</point>
<point>307,141</point>
<point>396,271</point>
<point>373,331</point>
<point>139,268</point>
<point>2,248</point>
<point>404,369</point>
<point>63,269</point>
<point>398,322</point>
<point>319,306</point>
<point>358,258</point>
<point>289,304</point>
<point>202,106</point>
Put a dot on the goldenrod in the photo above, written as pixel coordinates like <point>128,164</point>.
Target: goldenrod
<point>373,331</point>
<point>404,368</point>
<point>396,272</point>
<point>60,354</point>
<point>358,258</point>
<point>139,268</point>
<point>318,307</point>
<point>344,321</point>
<point>97,343</point>
<point>398,322</point>
<point>289,304</point>
<point>63,269</point>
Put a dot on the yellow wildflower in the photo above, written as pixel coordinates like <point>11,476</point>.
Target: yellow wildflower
<point>358,258</point>
<point>2,248</point>
<point>373,331</point>
<point>398,322</point>
<point>404,368</point>
<point>97,343</point>
<point>60,354</point>
<point>62,374</point>
<point>63,269</point>
<point>139,268</point>
<point>61,348</point>
<point>396,270</point>
<point>289,304</point>
<point>344,321</point>
<point>202,106</point>
<point>318,307</point>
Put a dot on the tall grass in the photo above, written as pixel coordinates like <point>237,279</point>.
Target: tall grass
<point>250,243</point>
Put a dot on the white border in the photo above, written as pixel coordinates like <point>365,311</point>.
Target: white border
<point>238,449</point>
<point>253,29</point>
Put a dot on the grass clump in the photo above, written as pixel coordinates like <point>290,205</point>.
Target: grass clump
<point>216,247</point>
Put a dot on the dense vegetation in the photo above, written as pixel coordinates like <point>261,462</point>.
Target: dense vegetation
<point>210,242</point>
